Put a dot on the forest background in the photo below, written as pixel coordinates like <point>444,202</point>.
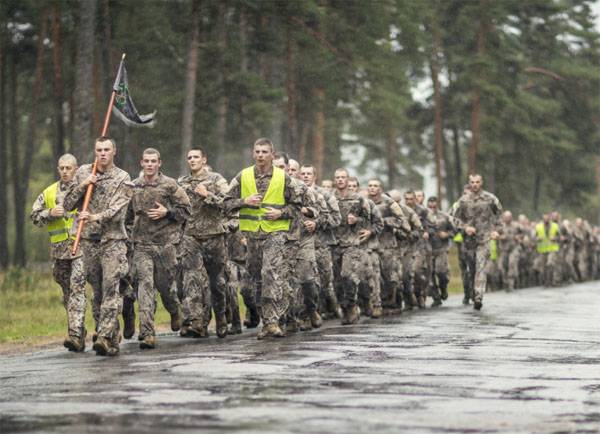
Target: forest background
<point>506,88</point>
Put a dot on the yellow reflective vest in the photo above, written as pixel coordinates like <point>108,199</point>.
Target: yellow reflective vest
<point>458,238</point>
<point>494,250</point>
<point>544,240</point>
<point>252,219</point>
<point>58,229</point>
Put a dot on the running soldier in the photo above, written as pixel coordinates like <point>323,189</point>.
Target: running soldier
<point>440,244</point>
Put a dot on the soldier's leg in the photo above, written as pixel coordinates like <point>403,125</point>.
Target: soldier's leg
<point>93,270</point>
<point>114,267</point>
<point>513,269</point>
<point>421,279</point>
<point>327,298</point>
<point>482,257</point>
<point>442,272</point>
<point>144,272</point>
<point>165,267</point>
<point>410,300</point>
<point>375,283</point>
<point>469,256</point>
<point>582,264</point>
<point>337,254</point>
<point>273,299</point>
<point>350,275</point>
<point>250,291</point>
<point>233,309</point>
<point>195,284</point>
<point>77,301</point>
<point>61,272</point>
<point>390,278</point>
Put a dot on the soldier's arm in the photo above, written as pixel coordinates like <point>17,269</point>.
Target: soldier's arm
<point>217,198</point>
<point>232,198</point>
<point>40,215</point>
<point>180,209</point>
<point>377,223</point>
<point>335,217</point>
<point>311,203</point>
<point>75,192</point>
<point>294,200</point>
<point>118,202</point>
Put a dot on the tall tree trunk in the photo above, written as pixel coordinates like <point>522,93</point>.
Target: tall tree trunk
<point>458,176</point>
<point>107,60</point>
<point>537,187</point>
<point>476,97</point>
<point>22,187</point>
<point>4,253</point>
<point>318,152</point>
<point>15,160</point>
<point>391,157</point>
<point>434,66</point>
<point>449,182</point>
<point>223,101</point>
<point>292,96</point>
<point>83,98</point>
<point>191,74</point>
<point>59,140</point>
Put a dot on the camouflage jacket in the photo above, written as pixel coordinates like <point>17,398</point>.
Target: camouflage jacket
<point>329,219</point>
<point>376,226</point>
<point>442,222</point>
<point>208,216</point>
<point>512,235</point>
<point>416,228</point>
<point>293,201</point>
<point>352,203</point>
<point>393,220</point>
<point>309,201</point>
<point>482,211</point>
<point>40,216</point>
<point>166,230</point>
<point>111,196</point>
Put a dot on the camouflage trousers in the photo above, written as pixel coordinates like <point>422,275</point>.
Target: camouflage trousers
<point>327,297</point>
<point>70,275</point>
<point>582,264</point>
<point>266,266</point>
<point>303,293</point>
<point>391,271</point>
<point>568,260</point>
<point>477,261</point>
<point>370,285</point>
<point>422,268</point>
<point>439,274</point>
<point>509,267</point>
<point>466,276</point>
<point>349,265</point>
<point>153,269</point>
<point>546,265</point>
<point>105,265</point>
<point>236,280</point>
<point>406,260</point>
<point>203,262</point>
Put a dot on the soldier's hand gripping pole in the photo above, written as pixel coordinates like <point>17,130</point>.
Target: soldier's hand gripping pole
<point>90,187</point>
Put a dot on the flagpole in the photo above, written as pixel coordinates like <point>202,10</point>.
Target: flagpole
<point>90,187</point>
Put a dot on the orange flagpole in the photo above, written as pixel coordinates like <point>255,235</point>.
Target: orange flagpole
<point>90,187</point>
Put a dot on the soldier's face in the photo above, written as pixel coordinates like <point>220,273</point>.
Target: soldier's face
<point>475,183</point>
<point>307,175</point>
<point>293,170</point>
<point>432,205</point>
<point>105,153</point>
<point>341,180</point>
<point>280,164</point>
<point>66,170</point>
<point>263,155</point>
<point>410,200</point>
<point>195,160</point>
<point>420,197</point>
<point>353,186</point>
<point>374,188</point>
<point>150,164</point>
<point>327,185</point>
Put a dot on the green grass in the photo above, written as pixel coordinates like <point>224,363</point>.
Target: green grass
<point>31,310</point>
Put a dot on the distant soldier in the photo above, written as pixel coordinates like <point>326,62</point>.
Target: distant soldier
<point>327,184</point>
<point>103,240</point>
<point>157,211</point>
<point>266,201</point>
<point>509,251</point>
<point>67,270</point>
<point>440,244</point>
<point>203,250</point>
<point>479,212</point>
<point>547,236</point>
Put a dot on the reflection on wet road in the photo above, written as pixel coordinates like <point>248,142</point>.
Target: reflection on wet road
<point>528,362</point>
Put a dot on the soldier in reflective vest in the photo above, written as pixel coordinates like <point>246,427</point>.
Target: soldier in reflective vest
<point>547,235</point>
<point>68,271</point>
<point>264,197</point>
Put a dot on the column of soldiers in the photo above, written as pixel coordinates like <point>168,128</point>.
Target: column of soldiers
<point>297,252</point>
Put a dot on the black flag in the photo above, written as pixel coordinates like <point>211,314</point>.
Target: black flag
<point>124,108</point>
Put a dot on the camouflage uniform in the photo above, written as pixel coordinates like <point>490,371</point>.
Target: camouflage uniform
<point>237,276</point>
<point>440,272</point>
<point>349,259</point>
<point>581,236</point>
<point>266,251</point>
<point>406,254</point>
<point>68,271</point>
<point>203,251</point>
<point>509,252</point>
<point>482,211</point>
<point>103,243</point>
<point>154,252</point>
<point>370,286</point>
<point>423,257</point>
<point>329,219</point>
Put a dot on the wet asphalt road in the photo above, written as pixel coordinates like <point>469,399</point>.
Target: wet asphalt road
<point>528,362</point>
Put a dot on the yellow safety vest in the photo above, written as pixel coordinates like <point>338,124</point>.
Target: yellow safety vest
<point>251,219</point>
<point>544,244</point>
<point>494,250</point>
<point>458,238</point>
<point>57,228</point>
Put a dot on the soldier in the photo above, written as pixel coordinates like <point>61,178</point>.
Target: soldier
<point>370,285</point>
<point>509,251</point>
<point>103,239</point>
<point>329,219</point>
<point>327,184</point>
<point>302,289</point>
<point>459,239</point>
<point>479,212</point>
<point>526,272</point>
<point>582,236</point>
<point>67,270</point>
<point>394,221</point>
<point>440,244</point>
<point>203,250</point>
<point>237,279</point>
<point>266,200</point>
<point>547,236</point>
<point>567,251</point>
<point>347,254</point>
<point>157,211</point>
